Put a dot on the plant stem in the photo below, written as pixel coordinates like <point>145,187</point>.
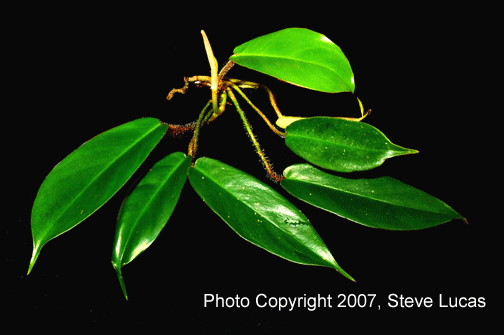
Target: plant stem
<point>276,131</point>
<point>225,69</point>
<point>275,177</point>
<point>177,130</point>
<point>250,84</point>
<point>198,80</point>
<point>193,145</point>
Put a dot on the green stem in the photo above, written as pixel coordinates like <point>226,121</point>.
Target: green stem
<point>194,141</point>
<point>249,84</point>
<point>276,131</point>
<point>275,177</point>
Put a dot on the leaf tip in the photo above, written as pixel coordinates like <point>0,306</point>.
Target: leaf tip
<point>121,280</point>
<point>346,275</point>
<point>30,267</point>
<point>35,254</point>
<point>343,272</point>
<point>407,151</point>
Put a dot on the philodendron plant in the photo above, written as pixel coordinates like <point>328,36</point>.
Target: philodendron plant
<point>93,173</point>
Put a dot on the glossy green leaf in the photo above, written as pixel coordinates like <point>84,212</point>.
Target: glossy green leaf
<point>88,177</point>
<point>379,203</point>
<point>298,56</point>
<point>259,214</point>
<point>147,209</point>
<point>340,145</point>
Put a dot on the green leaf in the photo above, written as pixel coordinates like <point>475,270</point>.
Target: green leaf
<point>259,214</point>
<point>88,177</point>
<point>340,145</point>
<point>298,56</point>
<point>379,203</point>
<point>147,209</point>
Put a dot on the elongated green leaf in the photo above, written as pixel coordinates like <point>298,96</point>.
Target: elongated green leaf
<point>298,56</point>
<point>379,203</point>
<point>259,214</point>
<point>88,177</point>
<point>340,145</point>
<point>147,209</point>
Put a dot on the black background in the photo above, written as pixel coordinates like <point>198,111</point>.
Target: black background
<point>81,71</point>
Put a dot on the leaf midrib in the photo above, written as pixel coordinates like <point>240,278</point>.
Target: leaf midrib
<point>276,227</point>
<point>339,145</point>
<point>247,205</point>
<point>78,196</point>
<point>289,58</point>
<point>151,199</point>
<point>363,196</point>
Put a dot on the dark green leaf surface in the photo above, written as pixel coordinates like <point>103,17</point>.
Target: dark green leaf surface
<point>147,209</point>
<point>88,177</point>
<point>379,203</point>
<point>298,56</point>
<point>340,145</point>
<point>259,214</point>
